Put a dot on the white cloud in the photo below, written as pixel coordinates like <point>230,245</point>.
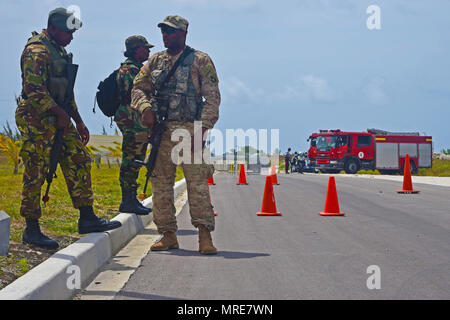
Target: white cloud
<point>374,91</point>
<point>310,87</point>
<point>234,90</point>
<point>306,88</point>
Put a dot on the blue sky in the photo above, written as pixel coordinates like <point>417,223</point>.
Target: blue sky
<point>298,66</point>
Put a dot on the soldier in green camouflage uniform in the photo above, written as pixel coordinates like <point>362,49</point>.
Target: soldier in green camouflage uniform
<point>134,145</point>
<point>39,116</point>
<point>192,93</point>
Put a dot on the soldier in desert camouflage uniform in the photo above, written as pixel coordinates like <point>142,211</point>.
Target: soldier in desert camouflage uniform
<point>192,94</point>
<point>39,116</point>
<point>134,145</point>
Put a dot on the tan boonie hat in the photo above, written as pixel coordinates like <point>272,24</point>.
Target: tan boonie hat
<point>134,42</point>
<point>176,22</point>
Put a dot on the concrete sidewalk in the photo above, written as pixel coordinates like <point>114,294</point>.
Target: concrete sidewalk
<point>63,275</point>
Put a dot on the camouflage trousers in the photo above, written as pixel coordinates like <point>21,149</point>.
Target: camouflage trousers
<point>200,207</point>
<point>38,136</point>
<point>134,145</point>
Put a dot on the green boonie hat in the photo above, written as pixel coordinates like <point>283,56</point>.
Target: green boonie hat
<point>176,22</point>
<point>134,42</point>
<point>64,20</point>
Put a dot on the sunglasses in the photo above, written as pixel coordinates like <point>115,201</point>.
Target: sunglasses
<point>168,30</point>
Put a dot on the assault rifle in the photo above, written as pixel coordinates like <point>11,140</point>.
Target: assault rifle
<point>55,152</point>
<point>155,140</point>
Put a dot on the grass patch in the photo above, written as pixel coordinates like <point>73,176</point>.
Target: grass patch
<point>59,218</point>
<point>372,172</point>
<point>441,168</point>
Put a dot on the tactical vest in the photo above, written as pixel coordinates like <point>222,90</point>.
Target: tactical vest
<point>57,81</point>
<point>179,99</point>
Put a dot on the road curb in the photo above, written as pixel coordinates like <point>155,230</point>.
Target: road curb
<point>62,275</point>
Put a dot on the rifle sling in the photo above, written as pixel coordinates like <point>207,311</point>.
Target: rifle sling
<point>187,50</point>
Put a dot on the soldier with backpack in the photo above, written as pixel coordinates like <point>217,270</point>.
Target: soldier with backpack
<point>114,98</point>
<point>134,145</point>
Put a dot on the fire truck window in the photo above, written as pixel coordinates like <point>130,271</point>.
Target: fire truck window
<point>324,142</point>
<point>364,141</point>
<point>341,141</point>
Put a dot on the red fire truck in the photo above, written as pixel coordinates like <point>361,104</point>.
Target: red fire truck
<point>335,150</point>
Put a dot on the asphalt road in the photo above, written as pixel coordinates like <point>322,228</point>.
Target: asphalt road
<point>302,255</point>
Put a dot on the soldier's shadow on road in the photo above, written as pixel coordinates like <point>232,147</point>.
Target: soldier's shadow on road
<point>220,254</point>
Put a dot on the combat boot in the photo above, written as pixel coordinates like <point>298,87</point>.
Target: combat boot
<point>131,204</point>
<point>167,242</point>
<point>33,235</point>
<point>134,196</point>
<point>205,241</point>
<point>89,222</point>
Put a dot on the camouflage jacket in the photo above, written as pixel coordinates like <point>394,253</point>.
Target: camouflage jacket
<point>35,64</point>
<point>125,77</point>
<point>204,78</point>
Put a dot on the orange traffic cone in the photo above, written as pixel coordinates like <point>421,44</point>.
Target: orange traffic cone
<point>211,181</point>
<point>215,212</point>
<point>275,179</point>
<point>407,182</point>
<point>331,203</point>
<point>273,173</point>
<point>269,207</point>
<point>242,178</point>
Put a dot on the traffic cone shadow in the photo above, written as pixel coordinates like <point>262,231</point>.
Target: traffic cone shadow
<point>268,207</point>
<point>242,177</point>
<point>407,181</point>
<point>331,202</point>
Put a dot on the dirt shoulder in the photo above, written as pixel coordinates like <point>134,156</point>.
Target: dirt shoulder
<point>22,258</point>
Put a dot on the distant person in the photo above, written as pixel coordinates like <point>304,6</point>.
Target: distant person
<point>287,160</point>
<point>39,115</point>
<point>134,143</point>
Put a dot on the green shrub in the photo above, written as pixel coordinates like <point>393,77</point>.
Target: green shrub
<point>441,168</point>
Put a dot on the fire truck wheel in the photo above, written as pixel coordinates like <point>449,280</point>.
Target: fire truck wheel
<point>351,166</point>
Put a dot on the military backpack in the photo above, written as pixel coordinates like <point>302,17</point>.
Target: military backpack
<point>107,96</point>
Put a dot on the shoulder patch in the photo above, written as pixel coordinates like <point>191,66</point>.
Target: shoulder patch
<point>144,69</point>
